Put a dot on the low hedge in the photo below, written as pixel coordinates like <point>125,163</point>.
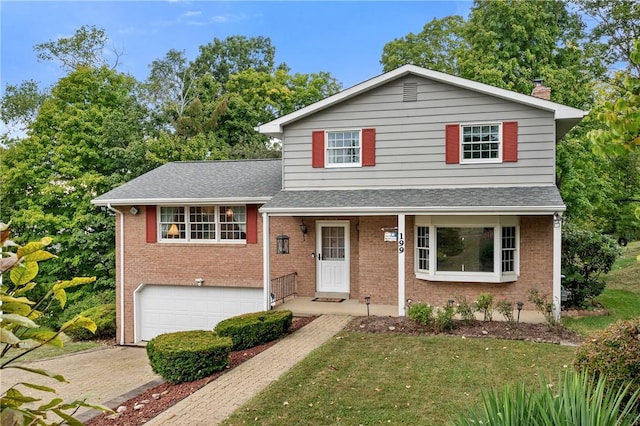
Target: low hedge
<point>188,355</point>
<point>254,329</point>
<point>105,318</point>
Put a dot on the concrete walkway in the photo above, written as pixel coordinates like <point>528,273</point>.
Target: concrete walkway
<point>216,401</point>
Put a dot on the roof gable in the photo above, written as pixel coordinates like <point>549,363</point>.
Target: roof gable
<point>565,116</point>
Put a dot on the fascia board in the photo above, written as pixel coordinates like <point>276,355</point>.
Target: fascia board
<point>177,201</point>
<point>372,211</point>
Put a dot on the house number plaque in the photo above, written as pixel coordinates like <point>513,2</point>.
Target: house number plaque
<point>400,243</point>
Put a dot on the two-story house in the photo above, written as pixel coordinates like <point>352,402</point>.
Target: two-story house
<point>411,185</point>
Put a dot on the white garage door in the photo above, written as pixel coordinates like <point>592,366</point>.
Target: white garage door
<point>165,309</point>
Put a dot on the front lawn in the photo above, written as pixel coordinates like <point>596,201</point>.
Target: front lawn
<point>362,378</point>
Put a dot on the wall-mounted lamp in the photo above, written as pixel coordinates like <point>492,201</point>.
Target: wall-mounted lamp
<point>557,219</point>
<point>134,210</point>
<point>282,244</point>
<point>173,231</point>
<point>303,229</point>
<point>367,300</point>
<point>199,282</point>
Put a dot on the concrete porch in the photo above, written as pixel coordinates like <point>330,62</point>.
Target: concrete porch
<point>305,306</point>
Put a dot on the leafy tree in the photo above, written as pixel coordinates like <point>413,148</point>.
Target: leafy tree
<point>85,48</point>
<point>19,266</point>
<point>586,255</point>
<point>20,103</point>
<point>436,47</point>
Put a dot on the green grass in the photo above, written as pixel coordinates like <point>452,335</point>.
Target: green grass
<point>49,351</point>
<point>360,378</point>
<point>621,296</point>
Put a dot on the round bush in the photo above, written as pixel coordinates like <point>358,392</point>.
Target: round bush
<point>188,355</point>
<point>105,318</point>
<point>613,352</point>
<point>255,328</point>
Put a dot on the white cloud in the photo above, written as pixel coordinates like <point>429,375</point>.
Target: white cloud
<point>191,13</point>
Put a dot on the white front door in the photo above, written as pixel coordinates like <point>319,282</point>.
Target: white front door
<point>332,255</point>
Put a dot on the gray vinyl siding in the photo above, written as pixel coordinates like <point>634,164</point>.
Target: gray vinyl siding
<point>410,140</point>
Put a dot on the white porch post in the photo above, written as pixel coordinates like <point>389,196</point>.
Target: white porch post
<point>266,269</point>
<point>557,270</point>
<point>401,255</point>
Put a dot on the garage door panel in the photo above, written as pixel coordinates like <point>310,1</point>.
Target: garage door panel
<point>165,309</point>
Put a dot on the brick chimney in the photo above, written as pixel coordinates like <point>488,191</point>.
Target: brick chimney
<point>540,90</point>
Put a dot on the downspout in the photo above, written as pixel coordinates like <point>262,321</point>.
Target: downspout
<point>266,267</point>
<point>116,211</point>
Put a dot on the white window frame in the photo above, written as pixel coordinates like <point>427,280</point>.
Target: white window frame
<point>187,225</point>
<point>327,163</point>
<point>480,160</point>
<point>495,222</point>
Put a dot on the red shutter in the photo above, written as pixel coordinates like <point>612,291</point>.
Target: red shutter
<point>317,148</point>
<point>152,233</point>
<point>368,147</point>
<point>510,141</point>
<point>452,136</point>
<point>252,224</point>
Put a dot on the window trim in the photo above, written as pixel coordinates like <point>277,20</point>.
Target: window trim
<point>481,160</point>
<point>330,165</point>
<point>217,224</point>
<point>495,222</point>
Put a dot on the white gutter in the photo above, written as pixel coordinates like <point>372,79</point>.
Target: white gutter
<point>266,270</point>
<point>492,210</point>
<point>121,271</point>
<point>177,201</point>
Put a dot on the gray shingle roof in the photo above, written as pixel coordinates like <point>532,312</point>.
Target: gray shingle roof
<point>242,180</point>
<point>542,199</point>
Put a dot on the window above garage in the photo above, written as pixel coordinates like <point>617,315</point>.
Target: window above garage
<point>221,223</point>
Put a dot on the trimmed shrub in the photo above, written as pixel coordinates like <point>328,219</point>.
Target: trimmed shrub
<point>613,352</point>
<point>105,318</point>
<point>188,355</point>
<point>249,330</point>
<point>421,313</point>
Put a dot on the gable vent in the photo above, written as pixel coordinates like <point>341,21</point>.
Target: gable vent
<point>409,92</point>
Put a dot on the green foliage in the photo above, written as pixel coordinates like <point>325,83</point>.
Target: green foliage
<point>580,400</point>
<point>19,104</point>
<point>421,313</point>
<point>543,305</point>
<point>105,318</point>
<point>613,353</point>
<point>484,304</point>
<point>444,318</point>
<point>465,308</point>
<point>18,326</point>
<point>586,255</point>
<point>188,355</point>
<point>254,329</point>
<point>505,308</point>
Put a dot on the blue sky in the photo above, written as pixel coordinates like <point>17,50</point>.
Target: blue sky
<point>343,38</point>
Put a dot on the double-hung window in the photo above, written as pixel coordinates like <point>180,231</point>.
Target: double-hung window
<point>202,223</point>
<point>343,148</point>
<point>466,249</point>
<point>481,143</point>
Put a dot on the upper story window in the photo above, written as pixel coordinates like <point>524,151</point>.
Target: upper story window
<point>203,223</point>
<point>467,250</point>
<point>481,143</point>
<point>343,148</point>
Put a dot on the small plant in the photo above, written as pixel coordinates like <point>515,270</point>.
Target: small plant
<point>543,305</point>
<point>613,352</point>
<point>505,308</point>
<point>255,328</point>
<point>421,313</point>
<point>484,304</point>
<point>444,319</point>
<point>188,355</point>
<point>465,309</point>
<point>580,400</point>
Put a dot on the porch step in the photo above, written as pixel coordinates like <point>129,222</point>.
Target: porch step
<point>330,295</point>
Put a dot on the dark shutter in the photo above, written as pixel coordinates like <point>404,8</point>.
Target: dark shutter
<point>452,150</point>
<point>510,141</point>
<point>152,223</point>
<point>252,224</point>
<point>368,147</point>
<point>317,149</point>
